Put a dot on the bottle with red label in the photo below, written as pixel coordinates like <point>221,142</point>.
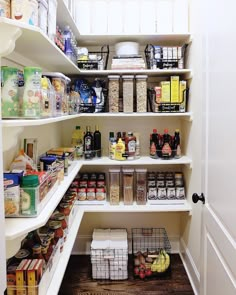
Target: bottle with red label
<point>166,151</point>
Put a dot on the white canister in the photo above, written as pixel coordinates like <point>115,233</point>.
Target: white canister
<point>52,18</point>
<point>5,8</point>
<point>43,15</point>
<point>25,11</point>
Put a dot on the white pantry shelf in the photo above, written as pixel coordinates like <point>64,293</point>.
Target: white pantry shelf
<point>145,160</point>
<point>15,227</point>
<point>169,206</point>
<point>172,39</point>
<point>64,258</point>
<point>39,49</point>
<point>38,122</point>
<point>187,73</point>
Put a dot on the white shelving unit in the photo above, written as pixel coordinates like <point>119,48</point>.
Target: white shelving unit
<point>46,54</point>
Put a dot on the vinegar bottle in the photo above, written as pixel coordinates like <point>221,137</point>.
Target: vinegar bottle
<point>97,142</point>
<point>88,144</point>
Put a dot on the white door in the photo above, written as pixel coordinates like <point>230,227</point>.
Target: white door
<point>218,271</point>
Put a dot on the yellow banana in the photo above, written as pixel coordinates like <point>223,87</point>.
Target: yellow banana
<point>161,263</point>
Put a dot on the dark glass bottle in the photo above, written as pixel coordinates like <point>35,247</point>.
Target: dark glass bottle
<point>118,136</point>
<point>176,144</point>
<point>166,148</point>
<point>97,142</point>
<point>88,144</point>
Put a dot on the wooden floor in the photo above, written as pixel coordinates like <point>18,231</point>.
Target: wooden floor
<point>78,281</point>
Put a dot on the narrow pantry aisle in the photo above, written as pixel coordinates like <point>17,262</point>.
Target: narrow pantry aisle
<point>78,281</point>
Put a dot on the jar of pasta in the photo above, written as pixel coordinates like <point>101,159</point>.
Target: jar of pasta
<point>114,193</point>
<point>128,186</point>
<point>128,93</point>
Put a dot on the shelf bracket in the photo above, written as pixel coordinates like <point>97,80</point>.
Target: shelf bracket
<point>8,36</point>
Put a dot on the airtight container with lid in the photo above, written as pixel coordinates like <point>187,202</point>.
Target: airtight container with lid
<point>114,192</point>
<point>59,82</point>
<point>25,11</point>
<point>5,8</point>
<point>128,186</point>
<point>141,93</point>
<point>128,93</point>
<point>141,186</point>
<point>113,93</point>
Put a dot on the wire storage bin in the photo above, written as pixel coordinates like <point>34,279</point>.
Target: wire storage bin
<point>156,106</point>
<point>97,60</point>
<point>109,254</point>
<point>165,57</point>
<point>151,252</point>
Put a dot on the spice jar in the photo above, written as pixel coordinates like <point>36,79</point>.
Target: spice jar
<point>179,186</point>
<point>65,208</point>
<point>61,217</point>
<point>141,93</point>
<point>141,186</point>
<point>29,194</point>
<point>128,93</point>
<point>114,178</point>
<point>58,231</point>
<point>113,93</point>
<point>128,186</point>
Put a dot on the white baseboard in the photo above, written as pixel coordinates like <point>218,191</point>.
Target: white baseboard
<point>190,267</point>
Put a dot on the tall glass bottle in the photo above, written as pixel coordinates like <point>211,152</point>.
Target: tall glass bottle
<point>97,142</point>
<point>88,144</point>
<point>176,145</point>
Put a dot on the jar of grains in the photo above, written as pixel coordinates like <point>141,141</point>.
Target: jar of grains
<point>113,93</point>
<point>141,93</point>
<point>128,93</point>
<point>114,178</point>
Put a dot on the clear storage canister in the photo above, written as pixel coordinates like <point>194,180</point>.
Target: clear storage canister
<point>43,15</point>
<point>128,93</point>
<point>128,186</point>
<point>114,179</point>
<point>5,8</point>
<point>141,93</point>
<point>113,93</point>
<point>141,186</point>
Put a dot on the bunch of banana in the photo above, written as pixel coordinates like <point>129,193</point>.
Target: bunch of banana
<point>161,263</point>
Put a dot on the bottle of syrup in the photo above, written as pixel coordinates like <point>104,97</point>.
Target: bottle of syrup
<point>166,148</point>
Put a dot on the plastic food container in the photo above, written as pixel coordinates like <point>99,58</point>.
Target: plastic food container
<point>141,93</point>
<point>113,93</point>
<point>43,15</point>
<point>5,8</point>
<point>127,48</point>
<point>128,186</point>
<point>59,82</point>
<point>10,95</point>
<point>114,178</point>
<point>52,18</point>
<point>31,107</point>
<point>25,11</point>
<point>141,186</point>
<point>128,93</point>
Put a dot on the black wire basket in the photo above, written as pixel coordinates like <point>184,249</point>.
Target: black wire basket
<point>151,252</point>
<point>167,107</point>
<point>165,57</point>
<point>99,62</point>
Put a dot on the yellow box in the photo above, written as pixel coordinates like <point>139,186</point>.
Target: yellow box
<point>165,91</point>
<point>182,95</point>
<point>174,89</point>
